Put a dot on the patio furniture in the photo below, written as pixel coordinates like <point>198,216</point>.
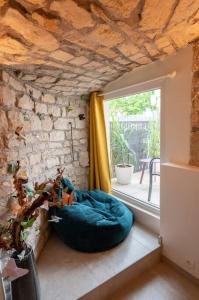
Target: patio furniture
<point>144,162</point>
<point>152,172</point>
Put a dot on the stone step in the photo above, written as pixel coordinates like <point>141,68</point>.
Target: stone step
<point>64,271</point>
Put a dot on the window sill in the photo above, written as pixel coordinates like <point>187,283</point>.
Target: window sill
<point>144,213</point>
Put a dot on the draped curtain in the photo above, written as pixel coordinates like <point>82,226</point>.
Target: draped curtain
<point>99,177</point>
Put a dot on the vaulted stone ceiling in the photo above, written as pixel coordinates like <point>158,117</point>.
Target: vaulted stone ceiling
<point>73,47</point>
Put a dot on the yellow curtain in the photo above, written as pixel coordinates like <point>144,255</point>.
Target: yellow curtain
<point>99,177</point>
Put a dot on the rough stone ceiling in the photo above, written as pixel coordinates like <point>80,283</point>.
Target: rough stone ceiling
<point>73,47</point>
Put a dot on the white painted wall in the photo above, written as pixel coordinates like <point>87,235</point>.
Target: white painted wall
<point>179,215</point>
<point>179,202</point>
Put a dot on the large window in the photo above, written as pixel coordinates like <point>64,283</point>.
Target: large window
<point>134,143</point>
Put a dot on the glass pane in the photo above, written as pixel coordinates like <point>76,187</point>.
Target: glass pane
<point>134,130</point>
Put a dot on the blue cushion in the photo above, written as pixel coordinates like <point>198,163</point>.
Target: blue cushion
<point>97,221</point>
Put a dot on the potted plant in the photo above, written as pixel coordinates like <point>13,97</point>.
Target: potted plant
<point>17,262</point>
<point>123,169</point>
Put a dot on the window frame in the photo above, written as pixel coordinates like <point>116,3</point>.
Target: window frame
<point>132,90</point>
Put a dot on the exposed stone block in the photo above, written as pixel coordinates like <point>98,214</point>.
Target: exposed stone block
<point>162,42</point>
<point>7,96</point>
<point>83,159</point>
<point>16,118</point>
<point>35,123</point>
<point>78,61</point>
<point>38,3</point>
<point>35,93</point>
<point>66,82</point>
<point>49,24</point>
<point>169,49</point>
<point>106,52</point>
<point>93,65</point>
<point>143,60</point>
<point>61,55</point>
<point>151,49</point>
<point>36,170</point>
<point>73,14</point>
<point>5,76</point>
<point>15,84</point>
<point>35,158</point>
<point>2,3</point>
<point>47,124</point>
<point>120,9</point>
<point>54,145</point>
<point>54,110</point>
<point>190,33</point>
<point>42,136</point>
<point>79,134</point>
<point>156,14</point>
<point>28,30</point>
<point>29,77</point>
<point>46,79</point>
<point>48,98</point>
<point>61,123</point>
<point>12,46</point>
<point>25,103</point>
<point>104,35</point>
<point>56,136</point>
<point>52,162</point>
<point>3,122</point>
<point>41,108</point>
<point>80,123</point>
<point>183,11</point>
<point>195,57</point>
<point>194,156</point>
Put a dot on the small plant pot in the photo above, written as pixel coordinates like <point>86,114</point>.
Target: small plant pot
<point>124,173</point>
<point>27,286</point>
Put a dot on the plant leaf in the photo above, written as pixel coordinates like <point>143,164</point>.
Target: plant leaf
<point>28,224</point>
<point>24,235</point>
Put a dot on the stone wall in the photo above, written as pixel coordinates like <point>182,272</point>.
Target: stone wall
<point>194,151</point>
<point>46,126</point>
<point>102,39</point>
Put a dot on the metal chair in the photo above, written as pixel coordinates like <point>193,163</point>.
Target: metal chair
<point>151,174</point>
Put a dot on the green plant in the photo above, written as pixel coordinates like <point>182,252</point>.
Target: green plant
<point>131,143</point>
<point>132,105</point>
<point>120,152</point>
<point>154,141</point>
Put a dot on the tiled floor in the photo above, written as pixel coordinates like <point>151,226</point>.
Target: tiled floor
<point>68,274</point>
<point>140,191</point>
<point>160,283</point>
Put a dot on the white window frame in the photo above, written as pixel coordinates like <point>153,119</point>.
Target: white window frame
<point>144,208</point>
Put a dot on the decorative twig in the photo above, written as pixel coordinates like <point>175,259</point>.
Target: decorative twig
<point>25,207</point>
<point>27,214</point>
<point>20,136</point>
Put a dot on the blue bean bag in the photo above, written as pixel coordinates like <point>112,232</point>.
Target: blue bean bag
<point>96,221</point>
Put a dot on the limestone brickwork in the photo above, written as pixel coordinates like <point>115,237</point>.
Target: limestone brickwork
<point>72,47</point>
<point>194,151</point>
<point>46,126</point>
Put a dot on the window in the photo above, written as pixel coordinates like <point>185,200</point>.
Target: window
<point>133,125</point>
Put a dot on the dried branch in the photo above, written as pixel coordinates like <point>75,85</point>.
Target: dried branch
<point>27,214</point>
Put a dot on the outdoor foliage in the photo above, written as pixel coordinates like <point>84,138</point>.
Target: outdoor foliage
<point>154,141</point>
<point>120,151</point>
<point>130,144</point>
<point>132,105</point>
